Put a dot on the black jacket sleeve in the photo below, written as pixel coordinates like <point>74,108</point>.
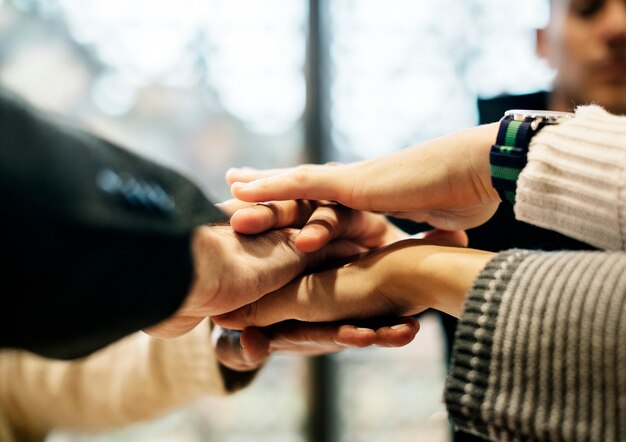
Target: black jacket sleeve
<point>96,241</point>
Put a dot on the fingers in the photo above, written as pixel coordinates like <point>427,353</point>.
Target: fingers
<point>327,222</point>
<point>427,181</point>
<point>229,207</point>
<point>321,222</point>
<point>247,174</point>
<point>303,182</point>
<point>334,221</point>
<point>307,338</point>
<point>397,335</point>
<point>390,332</point>
<point>248,350</point>
<point>260,217</point>
<point>317,338</point>
<point>250,219</point>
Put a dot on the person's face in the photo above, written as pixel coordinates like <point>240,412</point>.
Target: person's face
<point>585,41</point>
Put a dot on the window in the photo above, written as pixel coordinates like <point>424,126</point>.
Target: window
<point>202,85</point>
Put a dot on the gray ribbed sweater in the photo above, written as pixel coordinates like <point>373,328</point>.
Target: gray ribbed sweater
<point>540,352</point>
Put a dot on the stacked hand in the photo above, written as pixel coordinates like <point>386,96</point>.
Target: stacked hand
<point>445,182</point>
<point>234,269</point>
<point>256,281</point>
<point>248,350</point>
<point>401,279</point>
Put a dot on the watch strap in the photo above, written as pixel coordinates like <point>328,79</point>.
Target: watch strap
<point>509,154</point>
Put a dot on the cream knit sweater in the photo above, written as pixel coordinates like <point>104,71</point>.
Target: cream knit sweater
<point>540,352</point>
<point>575,180</point>
<point>135,379</point>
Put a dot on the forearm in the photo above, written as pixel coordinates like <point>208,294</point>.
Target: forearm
<point>434,276</point>
<point>135,379</point>
<point>539,352</point>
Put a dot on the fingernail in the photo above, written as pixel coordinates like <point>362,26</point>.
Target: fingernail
<point>398,326</point>
<point>306,233</point>
<point>245,355</point>
<point>363,330</point>
<point>238,185</point>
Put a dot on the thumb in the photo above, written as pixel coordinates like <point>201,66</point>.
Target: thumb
<point>241,351</point>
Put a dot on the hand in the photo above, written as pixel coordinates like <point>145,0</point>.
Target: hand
<point>233,270</point>
<point>320,222</point>
<point>445,182</point>
<point>248,350</point>
<point>402,279</point>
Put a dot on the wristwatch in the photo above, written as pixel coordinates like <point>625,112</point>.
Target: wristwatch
<point>508,155</point>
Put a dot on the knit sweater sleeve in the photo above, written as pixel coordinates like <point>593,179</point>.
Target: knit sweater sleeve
<point>575,179</point>
<point>135,379</point>
<point>540,349</point>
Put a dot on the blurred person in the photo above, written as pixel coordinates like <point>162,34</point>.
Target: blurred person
<point>585,43</point>
<point>540,347</point>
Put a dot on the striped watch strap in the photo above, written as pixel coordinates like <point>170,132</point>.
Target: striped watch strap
<point>509,155</point>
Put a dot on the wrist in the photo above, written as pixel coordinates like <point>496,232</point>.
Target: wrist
<point>419,276</point>
<point>453,271</point>
<point>479,158</point>
<point>508,155</point>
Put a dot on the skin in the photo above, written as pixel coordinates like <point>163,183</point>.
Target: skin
<point>404,278</point>
<point>250,349</point>
<point>452,191</point>
<point>585,42</point>
<point>445,182</point>
<point>319,223</point>
<point>233,269</point>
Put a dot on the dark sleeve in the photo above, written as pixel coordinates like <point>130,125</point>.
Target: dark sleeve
<point>539,351</point>
<point>96,241</point>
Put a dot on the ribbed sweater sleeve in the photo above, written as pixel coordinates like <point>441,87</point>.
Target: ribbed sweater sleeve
<point>540,350</point>
<point>575,179</point>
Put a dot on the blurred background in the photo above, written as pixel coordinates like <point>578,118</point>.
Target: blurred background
<point>203,85</point>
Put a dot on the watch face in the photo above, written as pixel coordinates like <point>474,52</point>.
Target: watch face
<point>548,117</point>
